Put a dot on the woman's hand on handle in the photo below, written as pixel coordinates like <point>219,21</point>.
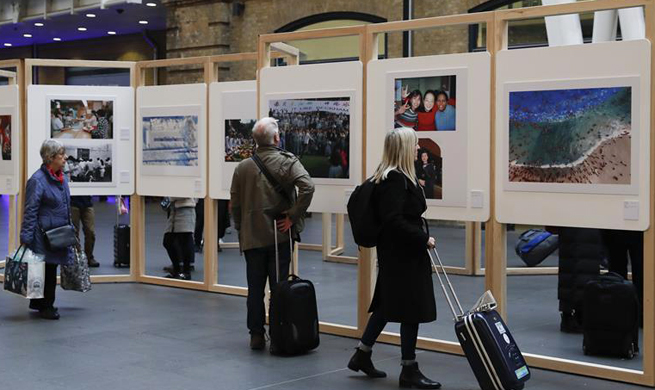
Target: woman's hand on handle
<point>431,243</point>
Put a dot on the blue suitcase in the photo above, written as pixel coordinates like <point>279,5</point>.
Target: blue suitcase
<point>489,347</point>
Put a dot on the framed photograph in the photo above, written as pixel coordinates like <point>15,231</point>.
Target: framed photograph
<point>575,136</point>
<point>239,144</point>
<point>170,141</point>
<point>426,103</point>
<point>89,164</point>
<point>81,118</point>
<point>5,137</point>
<point>429,168</point>
<point>317,130</point>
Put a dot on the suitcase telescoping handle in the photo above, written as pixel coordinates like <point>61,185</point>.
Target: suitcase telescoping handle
<point>457,316</point>
<point>277,253</point>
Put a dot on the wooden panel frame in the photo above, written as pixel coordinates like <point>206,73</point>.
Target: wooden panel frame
<point>16,77</point>
<point>29,65</point>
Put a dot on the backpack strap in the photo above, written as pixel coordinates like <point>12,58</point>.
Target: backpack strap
<point>276,184</point>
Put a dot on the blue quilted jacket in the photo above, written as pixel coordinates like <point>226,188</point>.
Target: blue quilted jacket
<point>47,206</point>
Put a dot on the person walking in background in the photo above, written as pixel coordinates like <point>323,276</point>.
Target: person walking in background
<point>82,211</point>
<point>403,290</point>
<point>256,205</point>
<point>47,206</point>
<point>178,236</point>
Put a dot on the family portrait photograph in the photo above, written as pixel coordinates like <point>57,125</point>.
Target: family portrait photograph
<point>578,136</point>
<point>89,164</point>
<point>170,140</point>
<point>5,137</point>
<point>81,119</point>
<point>316,130</point>
<point>426,103</point>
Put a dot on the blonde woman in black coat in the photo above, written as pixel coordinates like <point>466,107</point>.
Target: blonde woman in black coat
<point>403,291</point>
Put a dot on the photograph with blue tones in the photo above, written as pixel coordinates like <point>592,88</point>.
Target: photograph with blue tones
<point>426,103</point>
<point>170,140</point>
<point>578,136</point>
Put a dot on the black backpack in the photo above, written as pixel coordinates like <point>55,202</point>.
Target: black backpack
<point>361,211</point>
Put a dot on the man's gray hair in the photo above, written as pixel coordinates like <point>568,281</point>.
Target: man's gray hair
<point>50,149</point>
<point>264,131</point>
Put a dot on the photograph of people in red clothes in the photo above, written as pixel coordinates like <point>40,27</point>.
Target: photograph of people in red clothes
<point>425,103</point>
<point>5,137</point>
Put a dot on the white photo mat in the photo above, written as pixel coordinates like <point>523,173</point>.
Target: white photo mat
<point>631,189</point>
<point>315,81</point>
<point>227,100</point>
<point>465,151</point>
<point>606,64</point>
<point>453,144</point>
<point>173,100</point>
<point>122,141</point>
<point>10,170</point>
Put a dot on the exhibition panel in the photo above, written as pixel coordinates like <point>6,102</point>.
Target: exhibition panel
<point>171,147</point>
<point>10,125</point>
<point>95,125</point>
<point>573,141</point>
<point>330,105</point>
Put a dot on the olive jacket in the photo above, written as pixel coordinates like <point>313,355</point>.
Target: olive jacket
<point>255,203</point>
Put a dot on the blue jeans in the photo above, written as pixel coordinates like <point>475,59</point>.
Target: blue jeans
<point>260,264</point>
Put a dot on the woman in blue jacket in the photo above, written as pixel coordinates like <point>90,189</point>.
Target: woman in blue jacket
<point>47,206</point>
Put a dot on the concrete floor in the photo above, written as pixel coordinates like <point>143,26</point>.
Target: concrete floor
<point>532,312</point>
<point>131,336</point>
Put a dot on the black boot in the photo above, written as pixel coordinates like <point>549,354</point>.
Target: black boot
<point>361,361</point>
<point>411,376</point>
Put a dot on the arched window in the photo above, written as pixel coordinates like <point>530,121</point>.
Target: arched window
<point>331,49</point>
<point>522,33</point>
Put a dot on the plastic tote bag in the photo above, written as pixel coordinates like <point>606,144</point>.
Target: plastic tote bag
<point>76,276</point>
<point>25,273</point>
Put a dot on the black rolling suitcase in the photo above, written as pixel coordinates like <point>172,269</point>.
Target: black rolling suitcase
<point>611,317</point>
<point>293,313</point>
<point>121,246</point>
<point>488,345</point>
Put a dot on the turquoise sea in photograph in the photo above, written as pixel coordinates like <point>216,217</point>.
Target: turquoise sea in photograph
<point>570,135</point>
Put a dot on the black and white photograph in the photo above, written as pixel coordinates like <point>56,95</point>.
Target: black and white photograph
<point>317,130</point>
<point>89,164</point>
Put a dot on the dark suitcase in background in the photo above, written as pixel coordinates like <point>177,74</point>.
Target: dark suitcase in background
<point>490,349</point>
<point>534,245</point>
<point>611,317</point>
<point>293,313</point>
<point>121,246</point>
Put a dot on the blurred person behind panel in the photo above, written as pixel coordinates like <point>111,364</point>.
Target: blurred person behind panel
<point>403,290</point>
<point>178,236</point>
<point>47,206</point>
<point>255,205</point>
<point>82,211</point>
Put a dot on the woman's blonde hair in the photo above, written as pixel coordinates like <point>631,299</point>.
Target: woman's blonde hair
<point>399,154</point>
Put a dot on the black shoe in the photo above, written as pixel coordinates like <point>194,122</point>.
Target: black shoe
<point>361,361</point>
<point>184,276</point>
<point>49,314</point>
<point>411,376</point>
<point>172,275</point>
<point>93,263</point>
<point>570,323</point>
<point>35,306</point>
<point>169,269</point>
<point>257,341</point>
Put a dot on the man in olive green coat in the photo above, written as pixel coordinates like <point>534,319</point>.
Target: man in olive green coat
<point>255,205</point>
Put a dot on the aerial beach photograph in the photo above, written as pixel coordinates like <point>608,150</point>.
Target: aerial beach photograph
<point>577,136</point>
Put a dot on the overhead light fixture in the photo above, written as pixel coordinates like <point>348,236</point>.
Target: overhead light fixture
<point>56,39</point>
<point>90,15</point>
<point>111,32</point>
<point>151,4</point>
<point>38,24</point>
<point>81,29</point>
<point>143,22</point>
<point>27,35</point>
<point>8,44</point>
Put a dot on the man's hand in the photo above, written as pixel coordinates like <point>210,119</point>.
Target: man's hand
<point>285,224</point>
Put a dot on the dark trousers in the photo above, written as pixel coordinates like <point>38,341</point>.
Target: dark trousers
<point>620,245</point>
<point>200,222</point>
<point>408,334</point>
<point>180,249</point>
<point>49,286</point>
<point>260,264</point>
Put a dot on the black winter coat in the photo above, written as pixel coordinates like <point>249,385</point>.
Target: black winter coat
<point>403,290</point>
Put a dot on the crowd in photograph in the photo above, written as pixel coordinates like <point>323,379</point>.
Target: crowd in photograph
<point>239,144</point>
<point>88,169</point>
<point>317,133</point>
<point>429,111</point>
<point>5,137</point>
<point>96,123</point>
